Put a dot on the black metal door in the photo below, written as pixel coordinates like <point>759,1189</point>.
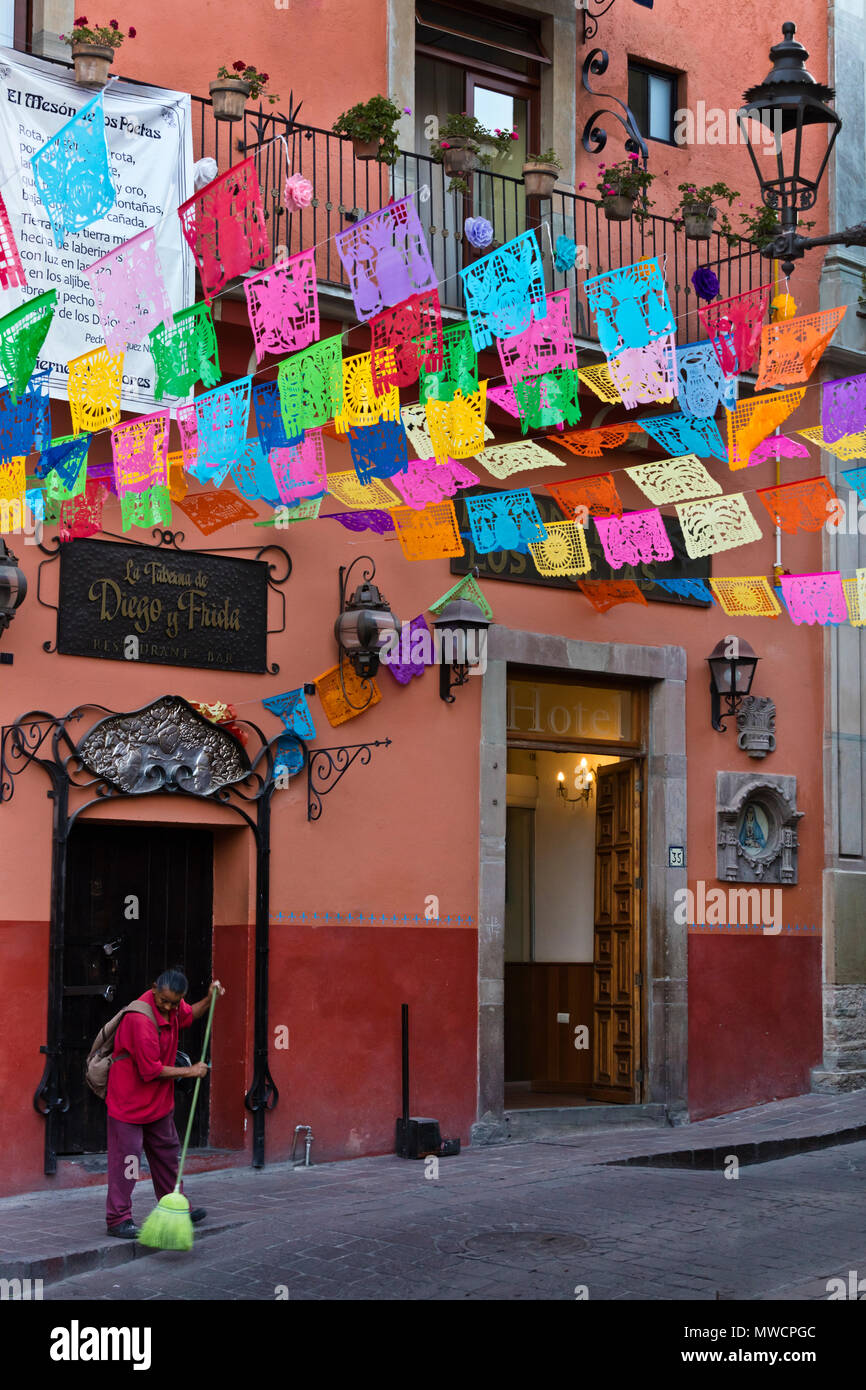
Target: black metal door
<point>139,900</point>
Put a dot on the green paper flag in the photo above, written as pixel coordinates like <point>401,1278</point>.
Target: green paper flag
<point>22,334</point>
<point>152,507</point>
<point>311,387</point>
<point>185,352</point>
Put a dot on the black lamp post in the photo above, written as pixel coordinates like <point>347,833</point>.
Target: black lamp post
<point>461,636</point>
<point>13,591</point>
<point>788,101</point>
<point>364,623</point>
<point>732,664</point>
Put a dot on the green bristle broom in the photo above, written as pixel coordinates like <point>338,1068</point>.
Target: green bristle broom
<point>169,1226</point>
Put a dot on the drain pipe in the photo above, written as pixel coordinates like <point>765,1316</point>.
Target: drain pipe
<point>304,1163</point>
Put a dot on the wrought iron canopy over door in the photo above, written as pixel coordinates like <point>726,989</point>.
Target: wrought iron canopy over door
<point>139,899</point>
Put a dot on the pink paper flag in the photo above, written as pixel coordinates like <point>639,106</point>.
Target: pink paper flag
<point>425,480</point>
<point>139,449</point>
<point>300,470</point>
<point>546,343</point>
<point>224,225</point>
<point>634,538</point>
<point>815,598</point>
<point>130,294</point>
<point>11,269</point>
<point>283,305</point>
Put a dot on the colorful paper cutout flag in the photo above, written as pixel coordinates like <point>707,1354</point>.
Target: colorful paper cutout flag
<point>406,339</point>
<point>25,423</point>
<point>855,598</point>
<point>311,388</point>
<point>129,291</point>
<point>215,424</point>
<point>283,305</point>
<point>733,326</point>
<point>674,480</point>
<point>686,588</point>
<point>815,598</point>
<point>379,450</point>
<point>598,379</point>
<point>139,450</point>
<point>57,491</point>
<point>843,407</point>
<point>11,270</point>
<point>184,352</point>
<point>424,481</point>
<point>150,507</point>
<point>300,470</point>
<point>294,711</point>
<point>792,348</point>
<point>802,506</point>
<point>361,406</point>
<point>72,173</point>
<point>605,594</point>
<point>458,370</point>
<point>347,697</point>
<point>752,420</point>
<point>457,426</point>
<point>370,520</point>
<point>502,520</point>
<point>269,415</point>
<point>591,443</point>
<point>548,400</point>
<point>288,516</point>
<point>717,523</point>
<point>253,476</point>
<point>563,552</point>
<point>65,457</point>
<point>646,374</point>
<point>178,486</point>
<point>856,479</point>
<point>685,434</point>
<point>82,515</point>
<point>778,446</point>
<point>746,597</point>
<point>211,511</point>
<point>634,538</point>
<point>288,756</point>
<point>544,344</point>
<point>468,588</point>
<point>431,534</point>
<point>504,459</point>
<point>347,488</point>
<point>596,496</point>
<point>224,226</point>
<point>412,656</point>
<point>386,258</point>
<point>22,333</point>
<point>505,291</point>
<point>703,386</point>
<point>503,396</point>
<point>414,421</point>
<point>35,499</point>
<point>630,306</point>
<point>95,380</point>
<point>13,482</point>
<point>850,446</point>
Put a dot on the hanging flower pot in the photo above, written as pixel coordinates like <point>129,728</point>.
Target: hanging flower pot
<point>699,219</point>
<point>229,96</point>
<point>539,179</point>
<point>618,207</point>
<point>366,149</point>
<point>92,63</point>
<point>460,156</point>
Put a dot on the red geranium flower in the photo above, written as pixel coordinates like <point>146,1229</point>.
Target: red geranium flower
<point>263,77</point>
<point>80,23</point>
<point>113,24</point>
<point>239,66</point>
<point>132,33</point>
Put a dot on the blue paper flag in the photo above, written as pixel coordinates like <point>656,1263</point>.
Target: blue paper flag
<point>24,423</point>
<point>72,173</point>
<point>502,520</point>
<point>288,756</point>
<point>703,385</point>
<point>630,306</point>
<point>221,418</point>
<point>269,416</point>
<point>686,588</point>
<point>64,458</point>
<point>379,451</point>
<point>505,291</point>
<point>253,475</point>
<point>294,711</point>
<point>685,434</point>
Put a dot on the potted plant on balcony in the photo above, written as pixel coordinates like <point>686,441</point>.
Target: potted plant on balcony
<point>93,49</point>
<point>464,144</point>
<point>540,173</point>
<point>620,185</point>
<point>698,211</point>
<point>231,88</point>
<point>372,128</point>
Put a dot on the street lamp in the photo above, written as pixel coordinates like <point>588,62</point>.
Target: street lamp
<point>13,591</point>
<point>732,664</point>
<point>461,638</point>
<point>363,626</point>
<point>788,101</point>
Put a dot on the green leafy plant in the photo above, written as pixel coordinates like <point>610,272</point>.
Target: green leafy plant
<point>762,226</point>
<point>627,179</point>
<point>108,35</point>
<point>376,119</point>
<point>485,144</point>
<point>707,194</point>
<point>242,72</point>
<point>547,157</point>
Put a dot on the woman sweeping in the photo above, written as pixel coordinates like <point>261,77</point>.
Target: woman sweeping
<point>140,1098</point>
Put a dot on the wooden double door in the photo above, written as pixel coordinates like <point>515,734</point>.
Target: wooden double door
<point>139,900</point>
<point>616,968</point>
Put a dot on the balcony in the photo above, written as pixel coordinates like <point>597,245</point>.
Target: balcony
<point>346,189</point>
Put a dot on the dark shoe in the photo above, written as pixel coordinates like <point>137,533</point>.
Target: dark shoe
<point>127,1230</point>
<point>197,1214</point>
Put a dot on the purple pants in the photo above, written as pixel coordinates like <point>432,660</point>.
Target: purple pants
<point>125,1141</point>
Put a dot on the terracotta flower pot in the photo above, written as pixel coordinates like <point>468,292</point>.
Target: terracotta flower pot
<point>366,149</point>
<point>618,207</point>
<point>460,157</point>
<point>539,179</point>
<point>229,97</point>
<point>699,219</point>
<point>92,62</point>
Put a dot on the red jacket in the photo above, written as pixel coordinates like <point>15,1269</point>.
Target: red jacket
<point>136,1093</point>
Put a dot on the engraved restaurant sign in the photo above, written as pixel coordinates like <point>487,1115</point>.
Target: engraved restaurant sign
<point>182,608</point>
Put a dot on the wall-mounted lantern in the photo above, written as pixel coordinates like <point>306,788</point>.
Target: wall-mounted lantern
<point>461,644</point>
<point>732,666</point>
<point>364,623</point>
<point>13,591</point>
<point>584,784</point>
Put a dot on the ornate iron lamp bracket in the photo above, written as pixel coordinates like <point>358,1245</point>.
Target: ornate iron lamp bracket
<point>594,137</point>
<point>326,766</point>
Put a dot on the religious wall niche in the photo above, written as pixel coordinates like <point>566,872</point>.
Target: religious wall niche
<point>756,817</point>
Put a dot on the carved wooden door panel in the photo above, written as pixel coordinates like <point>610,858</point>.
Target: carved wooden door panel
<point>616,951</point>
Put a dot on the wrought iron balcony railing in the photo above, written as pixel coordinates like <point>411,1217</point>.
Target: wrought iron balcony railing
<point>345,189</point>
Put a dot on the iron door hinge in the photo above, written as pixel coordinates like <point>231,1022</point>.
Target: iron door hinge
<point>638,1076</point>
<point>638,978</point>
<point>638,786</point>
<point>638,883</point>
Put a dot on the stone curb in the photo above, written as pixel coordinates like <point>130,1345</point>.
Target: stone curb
<point>51,1269</point>
<point>765,1151</point>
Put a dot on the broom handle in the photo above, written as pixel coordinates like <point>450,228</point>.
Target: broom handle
<point>213,1000</point>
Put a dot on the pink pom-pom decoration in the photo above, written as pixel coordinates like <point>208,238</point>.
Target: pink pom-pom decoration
<point>297,193</point>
